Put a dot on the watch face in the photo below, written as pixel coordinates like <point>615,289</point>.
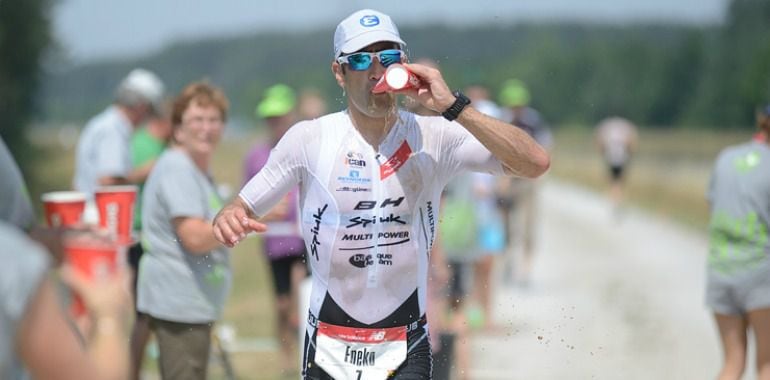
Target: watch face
<point>462,99</point>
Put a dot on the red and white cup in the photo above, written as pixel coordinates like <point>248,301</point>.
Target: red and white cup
<point>396,78</point>
<point>63,208</point>
<point>92,255</point>
<point>116,211</point>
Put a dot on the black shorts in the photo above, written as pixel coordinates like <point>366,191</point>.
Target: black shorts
<point>616,172</point>
<point>281,269</point>
<point>135,253</point>
<point>457,287</point>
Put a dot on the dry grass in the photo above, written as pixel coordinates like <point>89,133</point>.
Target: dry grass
<point>668,175</point>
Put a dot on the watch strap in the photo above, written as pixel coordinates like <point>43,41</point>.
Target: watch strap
<point>454,110</point>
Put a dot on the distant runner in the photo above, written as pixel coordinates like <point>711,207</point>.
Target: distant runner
<point>617,139</point>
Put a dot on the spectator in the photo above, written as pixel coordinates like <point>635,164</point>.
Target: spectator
<point>282,244</point>
<point>147,144</point>
<point>35,336</point>
<point>738,279</point>
<point>517,197</point>
<point>185,273</point>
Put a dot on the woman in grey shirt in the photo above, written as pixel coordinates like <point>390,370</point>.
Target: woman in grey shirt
<point>184,276</point>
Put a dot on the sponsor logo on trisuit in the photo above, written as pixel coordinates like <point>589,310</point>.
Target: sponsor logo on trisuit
<point>361,260</point>
<point>364,222</point>
<point>354,176</point>
<point>368,205</point>
<point>396,161</point>
<point>355,160</point>
<point>354,189</point>
<point>403,237</point>
<point>318,216</point>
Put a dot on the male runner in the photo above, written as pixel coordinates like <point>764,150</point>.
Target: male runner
<point>370,178</point>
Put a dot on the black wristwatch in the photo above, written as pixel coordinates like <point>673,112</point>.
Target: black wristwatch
<point>454,110</point>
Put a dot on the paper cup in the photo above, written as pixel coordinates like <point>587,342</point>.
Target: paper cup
<point>93,256</point>
<point>116,211</point>
<point>63,208</point>
<point>396,77</point>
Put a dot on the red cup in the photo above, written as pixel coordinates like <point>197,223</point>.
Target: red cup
<point>396,77</point>
<point>116,211</point>
<point>63,208</point>
<point>93,256</point>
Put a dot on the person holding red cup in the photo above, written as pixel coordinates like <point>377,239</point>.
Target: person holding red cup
<point>36,336</point>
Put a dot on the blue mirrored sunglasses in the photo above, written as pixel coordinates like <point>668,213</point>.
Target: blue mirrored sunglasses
<point>363,60</point>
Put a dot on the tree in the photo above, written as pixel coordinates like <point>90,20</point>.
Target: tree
<point>24,36</point>
<point>738,75</point>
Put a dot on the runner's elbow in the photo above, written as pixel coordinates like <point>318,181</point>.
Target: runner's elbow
<point>537,164</point>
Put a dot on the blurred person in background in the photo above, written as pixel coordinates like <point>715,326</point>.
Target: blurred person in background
<point>16,207</point>
<point>370,181</point>
<point>36,337</point>
<point>311,104</point>
<point>458,235</point>
<point>282,243</point>
<point>185,275</point>
<point>103,153</point>
<point>447,322</point>
<point>616,138</point>
<point>490,236</point>
<point>738,280</point>
<point>147,144</point>
<point>517,197</point>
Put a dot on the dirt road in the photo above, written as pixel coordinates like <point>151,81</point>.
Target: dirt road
<point>607,300</point>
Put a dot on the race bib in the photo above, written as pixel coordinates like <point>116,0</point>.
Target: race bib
<point>350,353</point>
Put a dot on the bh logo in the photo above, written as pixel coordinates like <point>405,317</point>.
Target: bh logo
<point>369,21</point>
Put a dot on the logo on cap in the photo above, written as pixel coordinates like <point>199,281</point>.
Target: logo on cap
<point>369,21</point>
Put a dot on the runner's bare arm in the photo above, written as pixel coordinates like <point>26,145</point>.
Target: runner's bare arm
<point>513,147</point>
<point>518,152</point>
<point>234,222</point>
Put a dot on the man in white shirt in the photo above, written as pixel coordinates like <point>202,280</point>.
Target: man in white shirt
<point>103,155</point>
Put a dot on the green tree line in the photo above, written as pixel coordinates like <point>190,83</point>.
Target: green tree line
<point>657,74</point>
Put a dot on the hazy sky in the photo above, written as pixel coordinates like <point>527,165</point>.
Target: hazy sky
<point>94,29</point>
